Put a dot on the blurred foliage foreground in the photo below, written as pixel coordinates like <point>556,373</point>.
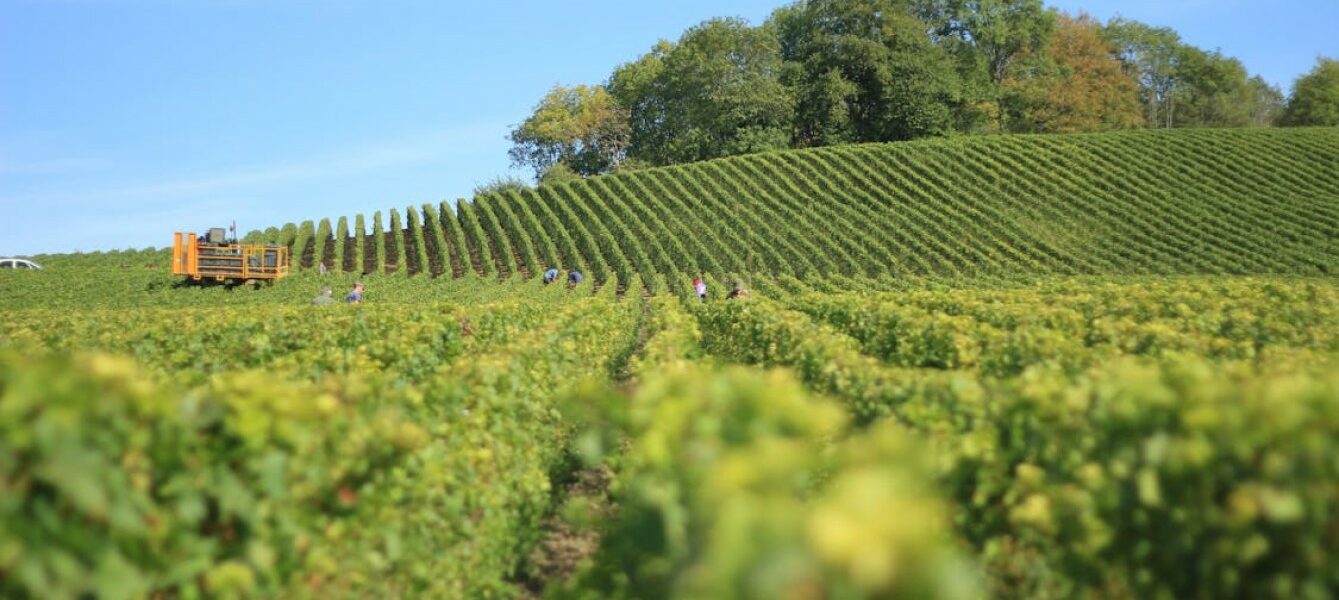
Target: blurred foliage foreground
<point>1143,438</point>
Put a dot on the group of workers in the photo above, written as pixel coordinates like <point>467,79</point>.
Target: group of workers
<point>736,292</point>
<point>355,296</point>
<point>573,277</point>
<point>699,286</point>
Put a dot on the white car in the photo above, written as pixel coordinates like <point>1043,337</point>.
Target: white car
<point>18,263</point>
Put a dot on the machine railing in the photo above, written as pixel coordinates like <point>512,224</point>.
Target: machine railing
<point>199,260</point>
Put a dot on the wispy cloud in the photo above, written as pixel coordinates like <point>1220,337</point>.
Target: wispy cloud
<point>366,157</point>
<point>56,166</point>
<point>117,214</point>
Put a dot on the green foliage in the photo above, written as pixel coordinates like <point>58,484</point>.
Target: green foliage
<point>1167,479</point>
<point>360,239</point>
<point>993,33</point>
<point>1184,86</point>
<point>1142,436</point>
<point>581,128</point>
<point>732,474</point>
<point>308,451</point>
<point>558,173</point>
<point>829,72</point>
<point>866,72</point>
<point>1096,438</point>
<point>480,252</point>
<point>323,252</point>
<point>1167,202</point>
<point>717,92</point>
<point>416,247</point>
<point>341,235</point>
<point>1216,91</point>
<point>1315,97</point>
<point>118,487</point>
<point>399,264</point>
<point>500,185</point>
<point>378,243</point>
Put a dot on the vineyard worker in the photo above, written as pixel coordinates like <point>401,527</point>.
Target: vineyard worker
<point>738,292</point>
<point>574,278</point>
<point>356,296</point>
<point>325,297</point>
<point>700,287</point>
<point>321,268</point>
<point>550,275</point>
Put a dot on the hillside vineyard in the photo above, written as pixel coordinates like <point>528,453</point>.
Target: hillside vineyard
<point>1147,202</point>
<point>1093,366</point>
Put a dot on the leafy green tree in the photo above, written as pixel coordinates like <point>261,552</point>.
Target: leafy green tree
<point>997,31</point>
<point>1212,90</point>
<point>582,127</point>
<point>1268,104</point>
<point>633,85</point>
<point>717,92</point>
<point>1315,97</point>
<point>865,70</point>
<point>988,40</point>
<point>1184,86</point>
<point>1149,54</point>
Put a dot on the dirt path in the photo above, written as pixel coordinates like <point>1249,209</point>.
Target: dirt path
<point>565,547</point>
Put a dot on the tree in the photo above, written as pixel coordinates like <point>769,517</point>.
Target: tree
<point>865,70</point>
<point>1184,86</point>
<point>1315,97</point>
<point>1267,108</point>
<point>999,31</point>
<point>987,38</point>
<point>582,127</point>
<point>717,92</point>
<point>1150,55</point>
<point>1212,90</point>
<point>1077,85</point>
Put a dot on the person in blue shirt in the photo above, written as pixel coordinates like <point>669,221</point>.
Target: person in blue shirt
<point>574,278</point>
<point>550,276</point>
<point>356,296</point>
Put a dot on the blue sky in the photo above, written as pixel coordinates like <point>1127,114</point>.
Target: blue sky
<point>122,121</point>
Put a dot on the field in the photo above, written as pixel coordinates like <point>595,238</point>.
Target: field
<point>1043,366</point>
<point>1178,202</point>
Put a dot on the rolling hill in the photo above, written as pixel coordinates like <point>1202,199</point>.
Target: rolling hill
<point>1145,202</point>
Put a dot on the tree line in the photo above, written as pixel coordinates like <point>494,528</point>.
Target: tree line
<point>827,72</point>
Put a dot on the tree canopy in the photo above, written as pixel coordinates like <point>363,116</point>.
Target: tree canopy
<point>864,71</point>
<point>1315,98</point>
<point>716,92</point>
<point>824,72</point>
<point>582,127</point>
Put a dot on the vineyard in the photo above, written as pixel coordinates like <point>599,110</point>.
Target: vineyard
<point>1015,367</point>
<point>1231,202</point>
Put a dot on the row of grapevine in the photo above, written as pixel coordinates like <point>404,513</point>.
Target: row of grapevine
<point>1002,332</point>
<point>396,449</point>
<point>1095,439</point>
<point>732,487</point>
<point>1241,202</point>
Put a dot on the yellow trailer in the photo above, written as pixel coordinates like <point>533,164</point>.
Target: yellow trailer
<point>217,258</point>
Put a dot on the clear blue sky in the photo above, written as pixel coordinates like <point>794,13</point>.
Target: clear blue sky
<point>124,120</point>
